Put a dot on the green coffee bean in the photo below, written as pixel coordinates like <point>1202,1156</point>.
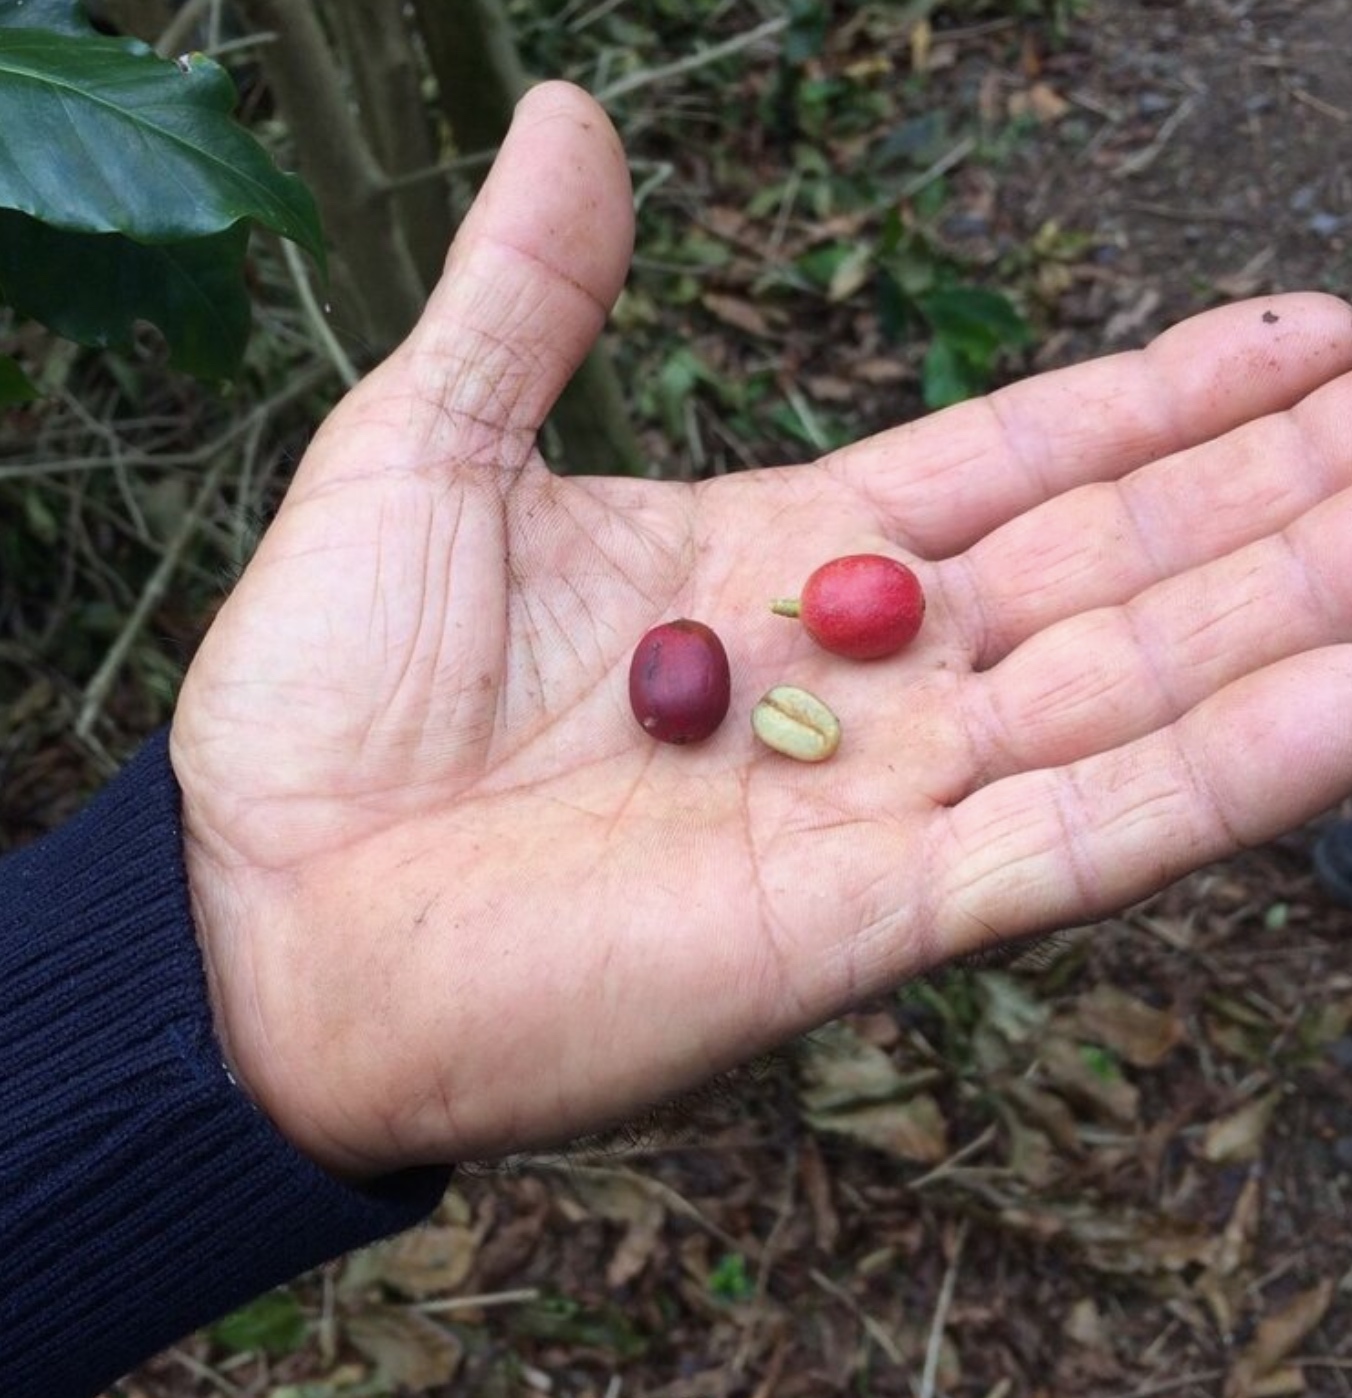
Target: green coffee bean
<point>796,723</point>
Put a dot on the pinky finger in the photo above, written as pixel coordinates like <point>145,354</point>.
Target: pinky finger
<point>1052,848</point>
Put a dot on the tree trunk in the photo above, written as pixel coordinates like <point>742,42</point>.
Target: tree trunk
<point>479,74</point>
<point>384,294</point>
<point>378,52</point>
<point>480,77</point>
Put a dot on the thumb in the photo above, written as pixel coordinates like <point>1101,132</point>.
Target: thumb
<point>532,275</point>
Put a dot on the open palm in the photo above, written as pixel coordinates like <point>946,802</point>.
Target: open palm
<point>455,902</point>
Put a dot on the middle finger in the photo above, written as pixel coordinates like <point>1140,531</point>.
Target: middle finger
<point>1102,544</point>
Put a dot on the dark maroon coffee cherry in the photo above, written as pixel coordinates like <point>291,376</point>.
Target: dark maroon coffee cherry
<point>679,682</point>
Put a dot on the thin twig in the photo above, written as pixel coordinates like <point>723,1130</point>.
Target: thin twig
<point>954,156</point>
<point>1327,109</point>
<point>765,1263</point>
<point>692,61</point>
<point>1152,1390</point>
<point>96,691</point>
<point>449,1304</point>
<point>780,231</point>
<point>672,1198</point>
<point>306,379</point>
<point>945,1167</point>
<point>243,533</point>
<point>1143,159</point>
<point>936,1337</point>
<point>876,1331</point>
<point>1176,215</point>
<point>658,172</point>
<point>314,314</point>
<point>171,42</point>
<point>456,165</point>
<point>811,426</point>
<point>204,1371</point>
<point>172,38</point>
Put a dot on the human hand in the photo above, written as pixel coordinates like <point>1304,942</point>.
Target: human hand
<point>454,902</point>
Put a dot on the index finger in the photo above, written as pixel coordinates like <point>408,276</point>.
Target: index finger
<point>939,484</point>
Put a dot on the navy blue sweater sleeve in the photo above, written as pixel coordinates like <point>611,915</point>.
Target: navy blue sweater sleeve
<point>141,1193</point>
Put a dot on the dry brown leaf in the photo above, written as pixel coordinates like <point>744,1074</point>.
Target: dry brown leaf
<point>878,1028</point>
<point>1280,1383</point>
<point>855,268</point>
<point>1322,1025</point>
<point>1010,1008</point>
<point>1130,321</point>
<point>739,314</point>
<point>406,1347</point>
<point>1235,1245</point>
<point>817,1188</point>
<point>1044,1110</point>
<point>1122,1242</point>
<point>913,1130</point>
<point>1031,1154</point>
<point>634,1250</point>
<point>1046,102</point>
<point>882,371</point>
<point>1084,1324</point>
<point>831,388</point>
<point>1238,1138</point>
<point>941,56</point>
<point>1250,279</point>
<point>840,1069</point>
<point>423,1262</point>
<point>726,220</point>
<point>1066,1066</point>
<point>628,1199</point>
<point>853,1089</point>
<point>616,1195</point>
<point>1277,1335</point>
<point>1138,1032</point>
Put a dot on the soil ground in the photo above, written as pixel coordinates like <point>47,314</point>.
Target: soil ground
<point>1122,1169</point>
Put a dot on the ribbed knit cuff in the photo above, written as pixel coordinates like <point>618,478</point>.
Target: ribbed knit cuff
<point>141,1193</point>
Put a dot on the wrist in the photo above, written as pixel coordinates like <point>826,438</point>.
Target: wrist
<point>261,1011</point>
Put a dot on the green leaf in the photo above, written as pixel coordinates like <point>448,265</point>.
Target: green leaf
<point>971,326</point>
<point>806,34</point>
<point>273,1323</point>
<point>561,1319</point>
<point>729,1280</point>
<point>1277,917</point>
<point>975,321</point>
<point>59,16</point>
<point>42,524</point>
<point>945,377</point>
<point>1100,1062</point>
<point>93,288</point>
<point>15,387</point>
<point>677,379</point>
<point>821,264</point>
<point>99,135</point>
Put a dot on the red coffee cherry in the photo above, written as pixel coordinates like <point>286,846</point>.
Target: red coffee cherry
<point>863,606</point>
